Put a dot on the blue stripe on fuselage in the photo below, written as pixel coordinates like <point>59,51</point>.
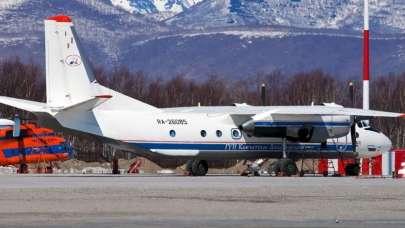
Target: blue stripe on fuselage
<point>294,123</point>
<point>241,146</point>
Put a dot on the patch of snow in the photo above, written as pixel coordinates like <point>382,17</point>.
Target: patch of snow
<point>6,4</point>
<point>9,4</point>
<point>159,9</point>
<point>123,4</point>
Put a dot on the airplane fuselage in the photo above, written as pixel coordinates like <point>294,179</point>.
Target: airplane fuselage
<point>190,133</point>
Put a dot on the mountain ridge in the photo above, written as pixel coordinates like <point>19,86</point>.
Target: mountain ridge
<point>202,40</point>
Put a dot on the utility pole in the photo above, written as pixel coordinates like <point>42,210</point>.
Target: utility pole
<point>366,58</point>
<point>352,94</point>
<point>263,94</point>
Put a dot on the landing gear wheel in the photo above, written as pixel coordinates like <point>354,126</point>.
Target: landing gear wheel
<point>352,170</point>
<point>302,173</point>
<point>274,168</point>
<point>197,167</point>
<point>189,164</point>
<point>288,167</point>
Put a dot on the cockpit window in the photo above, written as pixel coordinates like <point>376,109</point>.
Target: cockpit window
<point>372,129</point>
<point>363,124</point>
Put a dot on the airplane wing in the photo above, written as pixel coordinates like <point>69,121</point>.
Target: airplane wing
<point>325,110</point>
<point>261,112</point>
<point>30,106</point>
<point>290,121</point>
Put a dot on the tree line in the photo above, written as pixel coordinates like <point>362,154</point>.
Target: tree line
<point>26,80</point>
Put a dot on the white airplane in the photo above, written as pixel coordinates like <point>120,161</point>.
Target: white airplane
<point>77,103</point>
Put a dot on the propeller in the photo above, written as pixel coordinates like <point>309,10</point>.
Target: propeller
<point>353,134</point>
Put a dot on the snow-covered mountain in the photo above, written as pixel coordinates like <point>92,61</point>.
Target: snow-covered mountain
<point>386,15</point>
<point>104,28</point>
<point>160,9</point>
<point>234,38</point>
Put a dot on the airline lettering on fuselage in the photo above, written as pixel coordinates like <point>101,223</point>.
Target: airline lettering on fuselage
<point>172,121</point>
<point>247,147</point>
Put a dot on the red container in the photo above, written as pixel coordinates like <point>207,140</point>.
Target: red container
<point>399,158</point>
<point>322,166</point>
<point>376,166</point>
<point>365,166</point>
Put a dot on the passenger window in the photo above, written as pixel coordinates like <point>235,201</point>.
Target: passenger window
<point>236,134</point>
<point>172,133</point>
<point>203,133</point>
<point>219,133</point>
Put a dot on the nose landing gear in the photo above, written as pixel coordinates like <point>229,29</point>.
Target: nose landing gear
<point>353,169</point>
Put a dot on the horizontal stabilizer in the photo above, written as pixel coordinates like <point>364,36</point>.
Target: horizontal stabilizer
<point>27,105</point>
<point>89,104</point>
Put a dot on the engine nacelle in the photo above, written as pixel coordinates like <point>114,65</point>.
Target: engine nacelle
<point>299,128</point>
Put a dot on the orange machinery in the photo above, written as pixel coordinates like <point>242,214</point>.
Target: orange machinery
<point>33,145</point>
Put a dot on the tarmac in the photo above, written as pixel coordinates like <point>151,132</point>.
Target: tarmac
<point>211,201</point>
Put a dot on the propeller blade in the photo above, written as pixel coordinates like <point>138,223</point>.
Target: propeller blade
<point>353,135</point>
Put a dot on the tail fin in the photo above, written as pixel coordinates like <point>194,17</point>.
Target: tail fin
<point>69,78</point>
<point>68,75</point>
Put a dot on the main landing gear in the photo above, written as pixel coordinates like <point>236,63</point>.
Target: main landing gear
<point>284,166</point>
<point>197,167</point>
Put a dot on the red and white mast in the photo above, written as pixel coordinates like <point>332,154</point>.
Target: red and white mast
<point>366,58</point>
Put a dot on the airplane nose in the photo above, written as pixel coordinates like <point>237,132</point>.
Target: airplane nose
<point>386,143</point>
<point>373,143</point>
